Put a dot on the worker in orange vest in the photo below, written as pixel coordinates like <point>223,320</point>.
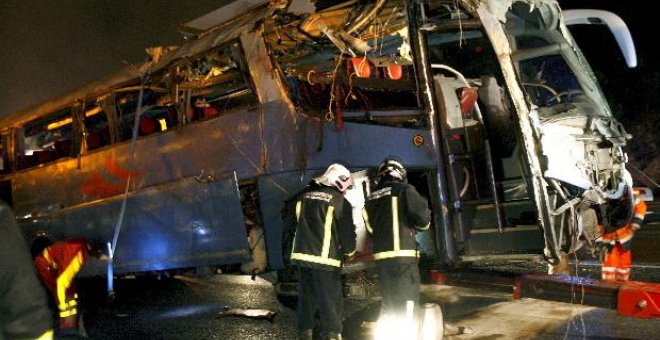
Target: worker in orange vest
<point>618,257</point>
<point>57,266</point>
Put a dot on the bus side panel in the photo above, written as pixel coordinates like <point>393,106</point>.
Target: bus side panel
<point>180,224</point>
<point>211,148</point>
<point>366,145</point>
<point>282,141</point>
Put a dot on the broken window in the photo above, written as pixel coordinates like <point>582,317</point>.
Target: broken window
<point>215,83</point>
<point>97,131</point>
<point>548,64</point>
<point>334,65</point>
<point>45,139</point>
<point>158,114</point>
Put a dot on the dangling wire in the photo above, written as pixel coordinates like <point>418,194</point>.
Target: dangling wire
<point>330,116</point>
<point>131,154</point>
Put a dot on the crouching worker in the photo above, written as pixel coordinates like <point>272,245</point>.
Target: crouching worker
<point>57,265</point>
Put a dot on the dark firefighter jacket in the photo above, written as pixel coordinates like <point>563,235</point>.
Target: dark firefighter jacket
<point>24,311</point>
<point>325,232</point>
<point>392,214</point>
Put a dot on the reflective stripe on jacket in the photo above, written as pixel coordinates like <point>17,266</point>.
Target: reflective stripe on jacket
<point>325,231</point>
<point>57,267</point>
<point>392,214</point>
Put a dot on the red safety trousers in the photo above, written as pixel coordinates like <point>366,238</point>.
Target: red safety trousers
<point>618,259</point>
<point>57,267</point>
<point>616,264</point>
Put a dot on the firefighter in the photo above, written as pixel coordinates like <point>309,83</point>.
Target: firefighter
<point>324,236</point>
<point>618,254</point>
<point>24,312</point>
<point>57,266</point>
<point>393,213</point>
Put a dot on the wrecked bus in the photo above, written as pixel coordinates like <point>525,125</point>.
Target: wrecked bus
<point>185,160</point>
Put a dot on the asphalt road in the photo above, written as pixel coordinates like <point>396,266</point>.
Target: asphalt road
<point>189,307</point>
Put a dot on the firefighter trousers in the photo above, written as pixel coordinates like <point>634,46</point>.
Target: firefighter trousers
<point>320,291</point>
<point>399,283</point>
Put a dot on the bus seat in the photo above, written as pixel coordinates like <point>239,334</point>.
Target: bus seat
<point>148,126</point>
<point>63,148</point>
<point>210,112</point>
<point>394,71</point>
<point>28,161</point>
<point>93,140</point>
<point>361,67</point>
<point>43,156</point>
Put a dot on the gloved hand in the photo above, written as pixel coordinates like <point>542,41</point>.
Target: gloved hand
<point>351,256</point>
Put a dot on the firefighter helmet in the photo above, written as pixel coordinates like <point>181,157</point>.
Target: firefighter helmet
<point>392,167</point>
<point>336,176</point>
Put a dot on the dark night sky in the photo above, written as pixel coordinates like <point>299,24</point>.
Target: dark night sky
<point>50,47</point>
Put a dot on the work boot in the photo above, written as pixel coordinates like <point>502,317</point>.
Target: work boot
<point>333,336</point>
<point>306,334</point>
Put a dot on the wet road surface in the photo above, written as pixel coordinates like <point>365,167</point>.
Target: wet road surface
<point>189,307</point>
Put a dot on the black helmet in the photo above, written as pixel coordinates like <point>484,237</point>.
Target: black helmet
<point>40,242</point>
<point>391,167</point>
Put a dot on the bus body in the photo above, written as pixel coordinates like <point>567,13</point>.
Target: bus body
<point>490,104</point>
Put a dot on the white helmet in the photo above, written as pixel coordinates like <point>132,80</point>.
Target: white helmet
<point>336,176</point>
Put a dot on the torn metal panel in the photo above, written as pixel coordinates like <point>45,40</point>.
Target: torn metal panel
<point>222,15</point>
<point>529,136</point>
<point>214,39</point>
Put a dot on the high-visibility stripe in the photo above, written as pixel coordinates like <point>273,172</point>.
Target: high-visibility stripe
<point>608,269</point>
<point>428,225</point>
<point>626,238</point>
<point>327,230</point>
<point>69,312</point>
<point>315,259</point>
<point>623,271</point>
<point>623,277</point>
<point>395,224</point>
<point>50,261</point>
<point>365,217</point>
<point>298,210</point>
<point>608,276</point>
<point>66,277</point>
<point>640,216</point>
<point>396,253</point>
<point>47,335</point>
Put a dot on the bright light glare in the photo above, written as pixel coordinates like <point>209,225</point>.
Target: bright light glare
<point>406,327</point>
<point>429,329</point>
<point>432,322</point>
<point>392,327</point>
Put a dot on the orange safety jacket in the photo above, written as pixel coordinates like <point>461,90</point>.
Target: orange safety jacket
<point>57,266</point>
<point>624,234</point>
